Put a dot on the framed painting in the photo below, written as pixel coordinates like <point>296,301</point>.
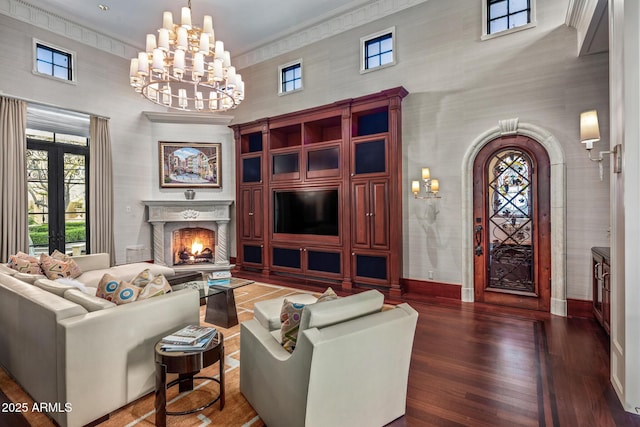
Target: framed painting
<point>190,165</point>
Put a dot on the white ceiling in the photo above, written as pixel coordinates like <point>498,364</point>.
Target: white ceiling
<point>243,25</point>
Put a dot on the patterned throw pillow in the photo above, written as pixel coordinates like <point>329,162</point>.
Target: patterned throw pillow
<point>25,263</point>
<point>327,295</point>
<point>107,287</point>
<point>144,277</point>
<point>74,269</point>
<point>55,268</point>
<point>126,293</point>
<point>290,317</point>
<point>159,285</point>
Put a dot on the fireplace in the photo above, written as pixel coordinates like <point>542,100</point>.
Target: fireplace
<point>191,234</point>
<point>193,245</point>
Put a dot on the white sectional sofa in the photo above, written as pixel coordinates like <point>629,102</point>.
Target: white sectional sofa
<point>83,356</point>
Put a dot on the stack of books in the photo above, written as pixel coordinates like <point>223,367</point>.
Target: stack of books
<point>189,338</point>
<point>219,278</point>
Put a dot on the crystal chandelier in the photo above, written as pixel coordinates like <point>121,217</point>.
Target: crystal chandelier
<point>186,68</point>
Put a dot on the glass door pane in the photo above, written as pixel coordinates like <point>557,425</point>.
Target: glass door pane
<point>38,200</point>
<point>75,203</point>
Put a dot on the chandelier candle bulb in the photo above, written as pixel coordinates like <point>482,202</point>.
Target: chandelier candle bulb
<point>231,76</point>
<point>133,69</point>
<point>426,174</point>
<point>207,25</point>
<point>163,39</point>
<point>198,65</point>
<point>213,101</point>
<point>182,98</point>
<point>151,43</point>
<point>182,40</point>
<point>143,64</point>
<point>219,50</point>
<point>178,63</point>
<point>199,101</point>
<point>204,43</point>
<point>158,60</point>
<point>186,18</point>
<point>167,21</point>
<point>226,63</point>
<point>217,71</point>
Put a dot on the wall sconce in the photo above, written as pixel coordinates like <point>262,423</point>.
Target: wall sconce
<point>431,186</point>
<point>590,133</point>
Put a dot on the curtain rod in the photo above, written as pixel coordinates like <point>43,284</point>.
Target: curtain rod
<point>32,101</point>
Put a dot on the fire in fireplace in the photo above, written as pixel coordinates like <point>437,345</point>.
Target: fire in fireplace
<point>193,246</point>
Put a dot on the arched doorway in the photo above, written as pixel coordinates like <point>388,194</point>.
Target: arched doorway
<point>552,146</point>
<point>512,230</point>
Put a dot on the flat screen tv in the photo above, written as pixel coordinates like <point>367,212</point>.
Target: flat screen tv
<point>306,212</point>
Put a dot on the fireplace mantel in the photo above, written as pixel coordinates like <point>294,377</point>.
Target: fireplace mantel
<point>166,215</point>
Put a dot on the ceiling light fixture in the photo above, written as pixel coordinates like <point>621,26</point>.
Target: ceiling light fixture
<point>103,7</point>
<point>187,69</point>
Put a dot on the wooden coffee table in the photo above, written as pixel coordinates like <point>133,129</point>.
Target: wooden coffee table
<point>186,365</point>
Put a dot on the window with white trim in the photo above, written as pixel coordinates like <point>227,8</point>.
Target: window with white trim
<point>506,16</point>
<point>290,77</point>
<point>53,61</point>
<point>378,50</point>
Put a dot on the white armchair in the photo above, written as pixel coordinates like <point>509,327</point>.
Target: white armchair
<point>350,366</point>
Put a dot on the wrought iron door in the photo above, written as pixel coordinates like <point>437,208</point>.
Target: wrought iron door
<point>511,211</point>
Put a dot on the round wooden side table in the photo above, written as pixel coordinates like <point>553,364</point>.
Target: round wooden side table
<point>186,365</point>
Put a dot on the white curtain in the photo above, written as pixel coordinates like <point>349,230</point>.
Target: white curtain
<point>14,233</point>
<point>100,188</point>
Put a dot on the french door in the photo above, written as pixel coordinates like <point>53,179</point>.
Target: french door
<point>57,194</point>
<point>512,228</point>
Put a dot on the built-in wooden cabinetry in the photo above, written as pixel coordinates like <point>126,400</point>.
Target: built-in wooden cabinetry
<point>600,265</point>
<point>319,193</point>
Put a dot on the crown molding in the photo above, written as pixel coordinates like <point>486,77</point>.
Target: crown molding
<point>25,12</point>
<point>329,28</point>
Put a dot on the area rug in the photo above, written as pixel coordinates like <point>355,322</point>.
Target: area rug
<point>236,412</point>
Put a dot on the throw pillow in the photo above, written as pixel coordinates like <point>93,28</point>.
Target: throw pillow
<point>117,291</point>
<point>75,270</point>
<point>327,295</point>
<point>143,278</point>
<point>159,285</point>
<point>26,265</point>
<point>55,268</point>
<point>290,317</point>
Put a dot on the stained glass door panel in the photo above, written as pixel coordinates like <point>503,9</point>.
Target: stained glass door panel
<point>510,207</point>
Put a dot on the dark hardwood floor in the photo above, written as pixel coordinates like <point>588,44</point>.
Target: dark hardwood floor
<point>484,365</point>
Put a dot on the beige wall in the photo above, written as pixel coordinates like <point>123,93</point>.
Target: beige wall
<point>459,87</point>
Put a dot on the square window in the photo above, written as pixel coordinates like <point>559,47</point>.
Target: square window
<point>53,61</point>
<point>503,15</point>
<point>378,50</point>
<point>290,77</point>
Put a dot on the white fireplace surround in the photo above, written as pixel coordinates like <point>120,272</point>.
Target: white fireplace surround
<point>166,216</point>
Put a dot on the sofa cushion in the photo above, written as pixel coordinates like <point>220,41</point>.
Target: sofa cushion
<point>29,278</point>
<point>75,283</point>
<point>89,302</point>
<point>53,286</point>
<point>5,269</point>
<point>129,271</point>
<point>91,278</point>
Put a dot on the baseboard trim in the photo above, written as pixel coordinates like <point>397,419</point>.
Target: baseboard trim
<point>580,308</point>
<point>432,289</point>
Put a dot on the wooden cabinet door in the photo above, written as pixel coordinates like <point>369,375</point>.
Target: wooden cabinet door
<point>257,212</point>
<point>379,214</point>
<point>251,213</point>
<point>360,215</point>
